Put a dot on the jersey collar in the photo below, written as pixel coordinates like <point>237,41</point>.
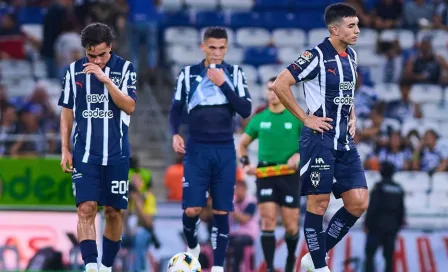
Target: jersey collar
<point>113,60</point>
<point>332,49</point>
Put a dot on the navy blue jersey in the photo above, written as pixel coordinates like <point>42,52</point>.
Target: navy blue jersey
<point>329,82</point>
<point>210,109</point>
<point>101,128</point>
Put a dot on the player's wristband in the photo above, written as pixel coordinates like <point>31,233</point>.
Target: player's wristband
<point>244,160</point>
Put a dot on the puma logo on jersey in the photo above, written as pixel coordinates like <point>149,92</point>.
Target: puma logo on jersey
<point>333,71</point>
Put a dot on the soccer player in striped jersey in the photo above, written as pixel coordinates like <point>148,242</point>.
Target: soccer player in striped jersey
<point>327,149</point>
<point>212,92</point>
<point>98,97</point>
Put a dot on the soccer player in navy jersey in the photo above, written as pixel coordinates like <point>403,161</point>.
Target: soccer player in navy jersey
<point>98,97</point>
<point>327,149</point>
<point>211,92</point>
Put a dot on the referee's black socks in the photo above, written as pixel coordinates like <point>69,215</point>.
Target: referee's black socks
<point>291,243</point>
<point>268,244</point>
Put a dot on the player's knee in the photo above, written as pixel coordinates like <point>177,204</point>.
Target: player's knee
<point>317,204</point>
<point>292,229</point>
<point>268,222</point>
<point>358,206</point>
<point>111,214</point>
<point>87,210</point>
<point>193,211</point>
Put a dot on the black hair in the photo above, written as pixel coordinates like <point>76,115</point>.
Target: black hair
<point>215,32</point>
<point>272,79</point>
<point>336,12</point>
<point>134,163</point>
<point>95,34</point>
<point>387,170</point>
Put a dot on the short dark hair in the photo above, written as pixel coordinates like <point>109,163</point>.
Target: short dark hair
<point>215,32</point>
<point>95,34</point>
<point>336,12</point>
<point>387,170</point>
<point>272,79</point>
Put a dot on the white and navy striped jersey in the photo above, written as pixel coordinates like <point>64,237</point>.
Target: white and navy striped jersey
<point>101,128</point>
<point>329,84</point>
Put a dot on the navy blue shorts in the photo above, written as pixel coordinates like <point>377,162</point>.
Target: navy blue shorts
<point>209,168</point>
<point>324,170</point>
<point>108,185</point>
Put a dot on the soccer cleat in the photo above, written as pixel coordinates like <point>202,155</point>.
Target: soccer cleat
<point>105,268</point>
<point>195,251</point>
<point>290,264</point>
<point>91,267</point>
<point>307,263</point>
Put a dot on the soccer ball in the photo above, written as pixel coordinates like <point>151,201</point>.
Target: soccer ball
<point>184,262</point>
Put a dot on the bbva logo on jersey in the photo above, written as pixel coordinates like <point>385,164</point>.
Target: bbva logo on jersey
<point>97,98</point>
<point>346,85</point>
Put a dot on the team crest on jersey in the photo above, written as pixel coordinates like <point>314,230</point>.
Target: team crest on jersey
<point>116,80</point>
<point>315,179</point>
<point>307,55</point>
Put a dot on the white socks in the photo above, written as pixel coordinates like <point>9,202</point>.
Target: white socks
<point>105,268</point>
<point>92,267</point>
<point>217,269</point>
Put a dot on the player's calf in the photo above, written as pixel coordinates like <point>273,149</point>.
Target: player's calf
<point>220,239</point>
<point>314,235</point>
<point>190,220</point>
<point>111,238</point>
<point>268,212</point>
<point>290,217</point>
<point>86,234</point>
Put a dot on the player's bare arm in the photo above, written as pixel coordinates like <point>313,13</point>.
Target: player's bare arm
<point>123,101</point>
<point>293,161</point>
<point>244,158</point>
<point>66,130</point>
<point>282,88</point>
<point>352,122</point>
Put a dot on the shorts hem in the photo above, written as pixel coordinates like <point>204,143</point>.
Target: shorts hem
<point>354,187</point>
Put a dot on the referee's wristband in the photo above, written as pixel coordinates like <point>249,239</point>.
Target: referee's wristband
<point>244,160</point>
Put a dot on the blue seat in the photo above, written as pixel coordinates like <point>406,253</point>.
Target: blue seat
<point>180,18</point>
<point>280,19</point>
<point>31,15</point>
<point>314,4</point>
<point>245,19</point>
<point>260,55</point>
<point>209,18</point>
<point>311,19</point>
<point>272,4</point>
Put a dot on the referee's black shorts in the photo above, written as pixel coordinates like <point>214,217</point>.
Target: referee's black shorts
<point>283,190</point>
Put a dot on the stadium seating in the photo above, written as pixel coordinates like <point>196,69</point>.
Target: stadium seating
<point>425,93</point>
<point>271,4</point>
<point>287,55</point>
<point>388,92</point>
<point>237,4</point>
<point>200,4</point>
<point>260,55</point>
<point>172,5</point>
<point>181,35</point>
<point>209,18</point>
<point>289,37</point>
<point>252,36</point>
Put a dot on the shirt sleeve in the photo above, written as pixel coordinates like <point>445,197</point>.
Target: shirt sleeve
<point>129,86</point>
<point>66,99</point>
<point>250,209</point>
<point>252,128</point>
<point>178,103</point>
<point>306,67</point>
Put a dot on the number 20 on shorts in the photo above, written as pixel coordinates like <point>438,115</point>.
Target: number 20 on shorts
<point>120,187</point>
